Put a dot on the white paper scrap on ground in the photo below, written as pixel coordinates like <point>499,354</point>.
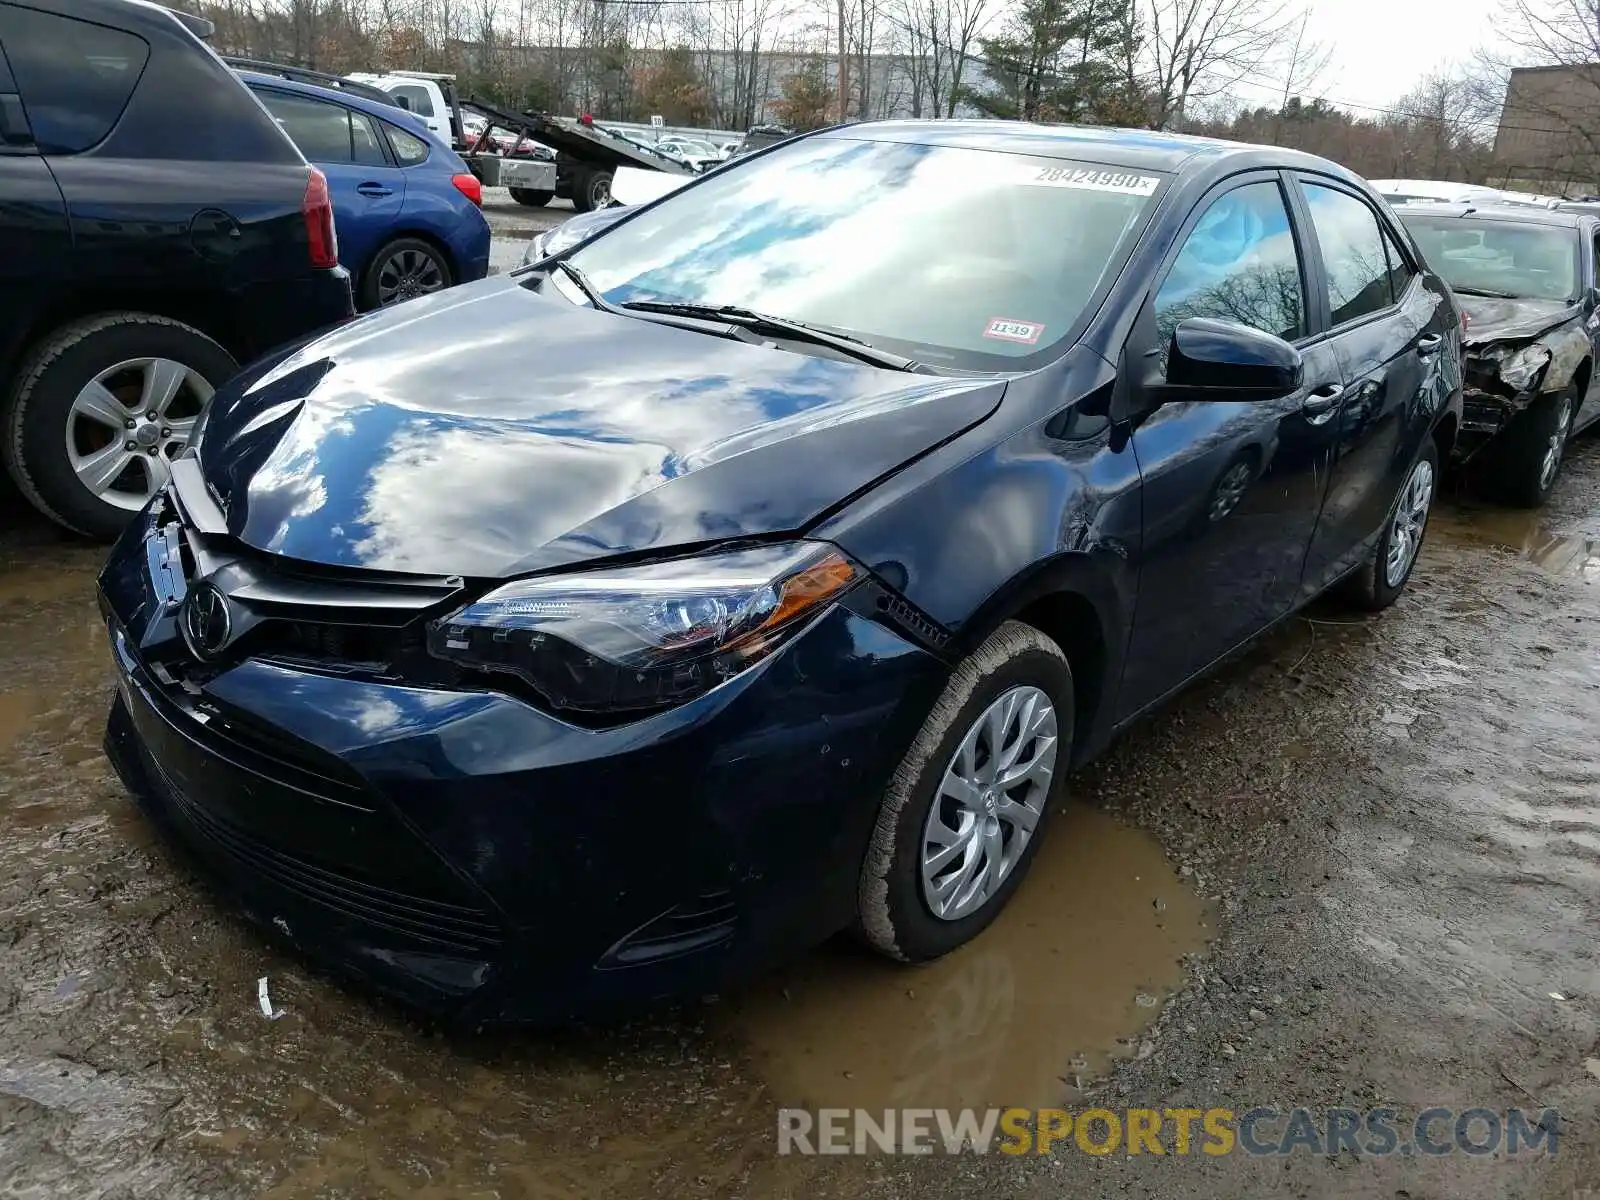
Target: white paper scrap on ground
<point>267,1010</point>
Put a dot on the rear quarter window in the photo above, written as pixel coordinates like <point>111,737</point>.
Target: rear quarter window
<point>409,149</point>
<point>75,77</point>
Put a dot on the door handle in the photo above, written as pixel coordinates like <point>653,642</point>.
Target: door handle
<point>1320,403</point>
<point>374,189</point>
<point>1430,344</point>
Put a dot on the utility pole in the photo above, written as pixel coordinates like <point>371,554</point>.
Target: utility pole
<point>844,68</point>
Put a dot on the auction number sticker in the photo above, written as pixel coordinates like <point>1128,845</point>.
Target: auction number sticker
<point>1007,330</point>
<point>1095,181</point>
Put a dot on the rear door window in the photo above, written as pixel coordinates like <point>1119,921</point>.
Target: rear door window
<point>75,77</point>
<point>366,142</point>
<point>1400,272</point>
<point>1353,255</point>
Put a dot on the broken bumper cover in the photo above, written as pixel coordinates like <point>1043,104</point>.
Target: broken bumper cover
<point>475,857</point>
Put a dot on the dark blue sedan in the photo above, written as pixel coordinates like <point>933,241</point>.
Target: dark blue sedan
<point>782,552</point>
<point>407,211</point>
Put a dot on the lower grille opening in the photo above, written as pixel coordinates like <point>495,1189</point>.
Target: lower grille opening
<point>706,921</point>
<point>419,919</point>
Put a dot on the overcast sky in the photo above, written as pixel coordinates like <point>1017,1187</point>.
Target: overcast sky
<point>1382,47</point>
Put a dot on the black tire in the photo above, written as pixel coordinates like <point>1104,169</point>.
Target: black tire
<point>38,417</point>
<point>1370,587</point>
<point>433,272</point>
<point>591,189</point>
<point>532,197</point>
<point>893,916</point>
<point>1517,472</point>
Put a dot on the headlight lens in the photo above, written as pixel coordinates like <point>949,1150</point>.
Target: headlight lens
<point>1521,367</point>
<point>647,636</point>
<point>536,248</point>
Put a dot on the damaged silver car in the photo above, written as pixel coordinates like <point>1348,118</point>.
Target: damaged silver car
<point>1527,286</point>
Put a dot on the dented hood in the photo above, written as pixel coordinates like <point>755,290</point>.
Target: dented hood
<point>1494,320</point>
<point>488,431</point>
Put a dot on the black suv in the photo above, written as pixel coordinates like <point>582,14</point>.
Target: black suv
<point>157,228</point>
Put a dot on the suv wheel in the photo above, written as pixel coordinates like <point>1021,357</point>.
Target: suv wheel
<point>1530,457</point>
<point>403,270</point>
<point>99,410</point>
<point>1379,581</point>
<point>961,819</point>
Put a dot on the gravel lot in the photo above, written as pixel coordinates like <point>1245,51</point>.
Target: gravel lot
<point>1350,868</point>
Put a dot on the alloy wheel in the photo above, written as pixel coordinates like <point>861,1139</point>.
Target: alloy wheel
<point>1410,519</point>
<point>990,799</point>
<point>1230,490</point>
<point>1556,445</point>
<point>407,274</point>
<point>128,423</point>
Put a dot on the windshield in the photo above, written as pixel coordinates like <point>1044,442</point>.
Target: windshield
<point>1535,262</point>
<point>965,258</point>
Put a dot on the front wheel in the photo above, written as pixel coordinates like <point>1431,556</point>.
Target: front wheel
<point>532,197</point>
<point>1529,460</point>
<point>1383,576</point>
<point>99,410</point>
<point>961,819</point>
<point>403,270</point>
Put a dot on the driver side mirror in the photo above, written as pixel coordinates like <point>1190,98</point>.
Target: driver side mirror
<point>1223,360</point>
<point>403,102</point>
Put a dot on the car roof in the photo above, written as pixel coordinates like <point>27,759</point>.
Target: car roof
<point>410,122</point>
<point>1141,149</point>
<point>1512,214</point>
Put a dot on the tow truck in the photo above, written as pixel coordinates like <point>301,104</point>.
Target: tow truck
<point>586,156</point>
<point>570,157</point>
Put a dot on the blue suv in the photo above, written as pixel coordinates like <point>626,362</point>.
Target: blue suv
<point>406,207</point>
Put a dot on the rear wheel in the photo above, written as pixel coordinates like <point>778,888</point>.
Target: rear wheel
<point>591,189</point>
<point>1383,576</point>
<point>100,409</point>
<point>532,197</point>
<point>403,270</point>
<point>1529,459</point>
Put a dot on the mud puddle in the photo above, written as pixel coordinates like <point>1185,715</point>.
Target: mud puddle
<point>1062,983</point>
<point>1525,533</point>
<point>16,714</point>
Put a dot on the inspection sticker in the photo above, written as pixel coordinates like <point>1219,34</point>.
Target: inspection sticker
<point>1013,331</point>
<point>1095,181</point>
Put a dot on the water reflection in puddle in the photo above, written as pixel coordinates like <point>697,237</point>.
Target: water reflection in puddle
<point>1523,532</point>
<point>1083,955</point>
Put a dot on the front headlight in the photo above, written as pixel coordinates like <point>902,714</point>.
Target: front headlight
<point>536,248</point>
<point>1520,368</point>
<point>648,636</point>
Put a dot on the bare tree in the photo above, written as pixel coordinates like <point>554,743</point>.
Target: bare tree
<point>1199,48</point>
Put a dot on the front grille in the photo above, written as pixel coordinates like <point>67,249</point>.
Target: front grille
<point>420,919</point>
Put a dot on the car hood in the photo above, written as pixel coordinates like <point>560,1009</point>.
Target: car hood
<point>1494,320</point>
<point>489,431</point>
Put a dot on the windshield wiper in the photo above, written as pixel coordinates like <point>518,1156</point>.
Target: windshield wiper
<point>1490,292</point>
<point>793,330</point>
<point>588,289</point>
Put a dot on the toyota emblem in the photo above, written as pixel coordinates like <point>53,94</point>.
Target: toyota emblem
<point>207,623</point>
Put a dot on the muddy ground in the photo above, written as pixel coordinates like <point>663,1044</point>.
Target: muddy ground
<point>1349,869</point>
